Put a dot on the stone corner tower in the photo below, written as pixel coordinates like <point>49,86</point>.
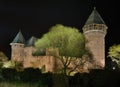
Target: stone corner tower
<point>95,31</point>
<point>17,47</point>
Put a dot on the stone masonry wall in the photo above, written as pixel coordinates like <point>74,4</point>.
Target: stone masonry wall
<point>97,47</point>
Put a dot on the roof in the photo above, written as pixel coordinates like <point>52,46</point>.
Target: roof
<point>95,18</point>
<point>31,41</point>
<point>19,38</point>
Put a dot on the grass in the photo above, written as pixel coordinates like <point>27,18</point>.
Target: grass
<point>19,84</point>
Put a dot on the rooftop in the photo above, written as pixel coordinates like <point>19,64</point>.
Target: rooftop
<point>95,18</point>
<point>19,38</point>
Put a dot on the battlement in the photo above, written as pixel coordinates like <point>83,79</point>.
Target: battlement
<point>95,27</point>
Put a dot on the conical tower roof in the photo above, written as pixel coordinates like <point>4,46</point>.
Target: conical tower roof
<point>95,18</point>
<point>19,38</point>
<point>31,41</point>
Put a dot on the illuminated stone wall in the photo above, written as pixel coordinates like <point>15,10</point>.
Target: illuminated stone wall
<point>96,45</point>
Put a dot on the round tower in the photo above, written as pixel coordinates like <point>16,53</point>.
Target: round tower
<point>95,31</point>
<point>17,47</point>
<point>30,60</point>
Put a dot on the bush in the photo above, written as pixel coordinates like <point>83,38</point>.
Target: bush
<point>46,79</point>
<point>30,75</point>
<point>8,74</point>
<point>96,78</point>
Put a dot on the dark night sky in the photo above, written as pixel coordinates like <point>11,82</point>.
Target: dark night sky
<point>35,18</point>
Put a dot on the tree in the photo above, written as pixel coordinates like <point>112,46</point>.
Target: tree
<point>3,58</point>
<point>114,54</point>
<point>13,64</point>
<point>69,41</point>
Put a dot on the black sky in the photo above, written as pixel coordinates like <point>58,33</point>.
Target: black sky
<point>35,18</point>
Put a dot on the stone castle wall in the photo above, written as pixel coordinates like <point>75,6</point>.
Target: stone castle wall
<point>38,61</point>
<point>51,63</point>
<point>24,55</point>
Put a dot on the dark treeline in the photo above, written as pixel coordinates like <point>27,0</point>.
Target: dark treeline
<point>96,78</point>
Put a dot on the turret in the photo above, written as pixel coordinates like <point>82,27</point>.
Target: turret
<point>30,49</point>
<point>17,47</point>
<point>95,31</point>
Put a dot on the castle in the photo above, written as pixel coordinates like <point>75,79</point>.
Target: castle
<point>94,31</point>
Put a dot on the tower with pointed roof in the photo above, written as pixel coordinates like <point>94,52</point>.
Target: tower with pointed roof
<point>17,47</point>
<point>95,31</point>
<point>29,46</point>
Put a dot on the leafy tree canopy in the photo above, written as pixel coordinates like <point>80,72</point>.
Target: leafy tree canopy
<point>114,54</point>
<point>3,57</point>
<point>68,40</point>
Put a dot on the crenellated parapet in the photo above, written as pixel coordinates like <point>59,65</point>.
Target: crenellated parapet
<point>95,28</point>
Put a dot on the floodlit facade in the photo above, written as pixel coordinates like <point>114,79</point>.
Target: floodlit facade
<point>94,31</point>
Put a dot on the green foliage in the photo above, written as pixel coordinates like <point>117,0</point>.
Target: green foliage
<point>9,64</point>
<point>60,80</point>
<point>30,75</point>
<point>68,40</point>
<point>3,58</point>
<point>33,78</point>
<point>20,84</point>
<point>43,69</point>
<point>27,75</point>
<point>8,74</point>
<point>39,53</point>
<point>114,54</point>
<point>13,64</point>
